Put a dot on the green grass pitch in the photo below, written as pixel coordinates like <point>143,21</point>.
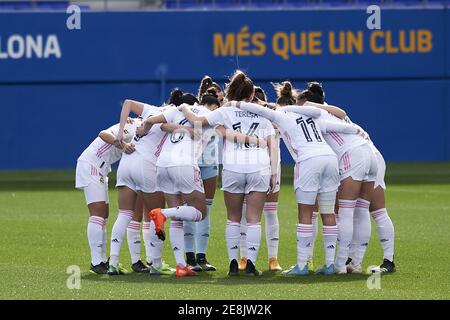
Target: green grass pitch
<point>43,231</point>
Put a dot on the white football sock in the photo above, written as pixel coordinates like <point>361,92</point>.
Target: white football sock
<point>147,241</point>
<point>330,234</point>
<point>134,240</point>
<point>183,213</point>
<point>203,230</point>
<point>386,234</point>
<point>118,233</point>
<point>105,240</point>
<point>272,228</point>
<point>253,241</point>
<point>345,231</point>
<point>189,228</point>
<point>243,232</point>
<point>95,238</point>
<point>362,228</point>
<point>304,243</point>
<point>156,247</point>
<point>315,231</point>
<point>232,233</point>
<point>177,241</point>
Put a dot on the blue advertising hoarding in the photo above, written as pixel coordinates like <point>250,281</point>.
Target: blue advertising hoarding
<point>60,87</point>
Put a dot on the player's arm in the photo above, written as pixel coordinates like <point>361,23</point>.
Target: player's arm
<point>238,137</point>
<point>267,113</point>
<point>110,138</point>
<point>171,127</point>
<point>149,122</point>
<point>272,144</point>
<point>308,111</point>
<point>127,107</point>
<point>107,136</point>
<point>192,117</point>
<point>335,111</point>
<point>340,127</point>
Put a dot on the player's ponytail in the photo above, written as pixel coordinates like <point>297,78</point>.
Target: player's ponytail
<point>210,97</point>
<point>177,97</point>
<point>260,94</point>
<point>207,83</point>
<point>240,87</point>
<point>286,94</point>
<point>317,93</point>
<point>314,93</point>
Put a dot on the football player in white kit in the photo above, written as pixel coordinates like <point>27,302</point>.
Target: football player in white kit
<point>384,225</point>
<point>358,172</point>
<point>270,211</point>
<point>247,169</point>
<point>137,175</point>
<point>93,167</point>
<point>179,178</point>
<point>196,234</point>
<point>316,176</point>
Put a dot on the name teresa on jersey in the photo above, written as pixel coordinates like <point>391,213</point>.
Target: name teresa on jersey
<point>241,114</point>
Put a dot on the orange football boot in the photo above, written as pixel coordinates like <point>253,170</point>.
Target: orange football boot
<point>159,219</point>
<point>184,272</point>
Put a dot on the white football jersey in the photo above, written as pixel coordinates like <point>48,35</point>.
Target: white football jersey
<point>149,146</point>
<point>179,149</point>
<point>340,142</point>
<point>102,154</point>
<point>301,133</point>
<point>241,157</point>
<point>303,136</point>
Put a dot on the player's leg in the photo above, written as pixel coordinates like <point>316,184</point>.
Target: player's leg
<point>329,184</point>
<point>152,199</point>
<point>134,237</point>
<point>96,196</point>
<point>153,244</point>
<point>307,183</point>
<point>187,187</point>
<point>361,228</point>
<point>385,229</point>
<point>233,203</point>
<point>348,194</point>
<point>272,230</point>
<point>243,238</point>
<point>203,227</point>
<point>306,202</point>
<point>98,213</point>
<point>329,230</point>
<point>315,224</point>
<point>255,206</point>
<point>127,199</point>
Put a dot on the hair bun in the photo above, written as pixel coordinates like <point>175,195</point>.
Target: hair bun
<point>316,88</point>
<point>207,81</point>
<point>177,93</point>
<point>176,97</point>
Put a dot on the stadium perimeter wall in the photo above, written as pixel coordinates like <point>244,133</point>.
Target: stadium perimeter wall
<point>60,87</point>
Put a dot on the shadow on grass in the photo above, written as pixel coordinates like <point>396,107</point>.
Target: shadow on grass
<point>203,278</point>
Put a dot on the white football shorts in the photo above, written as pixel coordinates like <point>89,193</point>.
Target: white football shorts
<point>315,176</point>
<point>359,163</point>
<point>92,181</point>
<point>178,180</point>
